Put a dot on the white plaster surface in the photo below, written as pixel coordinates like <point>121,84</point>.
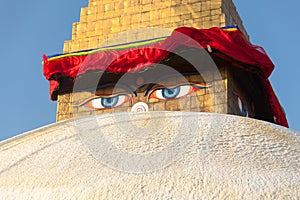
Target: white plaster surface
<point>226,157</point>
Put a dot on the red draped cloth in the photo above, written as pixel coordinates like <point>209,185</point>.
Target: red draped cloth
<point>232,44</point>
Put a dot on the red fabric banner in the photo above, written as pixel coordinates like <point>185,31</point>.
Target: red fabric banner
<point>231,43</point>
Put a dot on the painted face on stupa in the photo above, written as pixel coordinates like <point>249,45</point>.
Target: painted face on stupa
<point>171,93</point>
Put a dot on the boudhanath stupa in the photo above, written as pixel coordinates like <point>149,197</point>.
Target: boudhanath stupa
<point>157,99</point>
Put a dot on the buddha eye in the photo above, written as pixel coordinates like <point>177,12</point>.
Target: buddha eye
<point>174,92</point>
<point>107,102</point>
<point>170,93</point>
<point>242,107</point>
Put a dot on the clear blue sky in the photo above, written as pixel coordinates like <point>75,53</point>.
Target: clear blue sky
<point>30,28</point>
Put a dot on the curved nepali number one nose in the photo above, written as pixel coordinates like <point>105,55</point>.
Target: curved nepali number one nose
<point>140,107</point>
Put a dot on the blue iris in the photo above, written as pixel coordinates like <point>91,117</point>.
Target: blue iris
<point>109,102</point>
<point>170,93</point>
<point>244,111</point>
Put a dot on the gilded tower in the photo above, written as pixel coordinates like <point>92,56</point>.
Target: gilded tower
<point>102,19</point>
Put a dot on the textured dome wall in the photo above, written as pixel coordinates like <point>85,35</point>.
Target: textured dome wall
<point>200,156</point>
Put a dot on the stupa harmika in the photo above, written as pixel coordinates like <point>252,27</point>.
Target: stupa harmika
<point>239,86</point>
<point>190,61</point>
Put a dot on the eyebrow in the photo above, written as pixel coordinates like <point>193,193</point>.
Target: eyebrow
<point>123,86</point>
<point>198,85</point>
<point>165,77</point>
<point>160,79</point>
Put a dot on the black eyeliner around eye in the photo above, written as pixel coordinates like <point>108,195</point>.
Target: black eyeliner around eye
<point>148,88</point>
